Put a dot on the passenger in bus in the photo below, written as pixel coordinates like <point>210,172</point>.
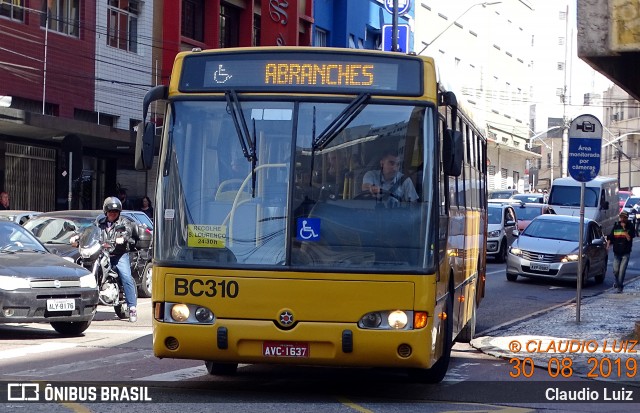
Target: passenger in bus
<point>332,180</point>
<point>389,182</point>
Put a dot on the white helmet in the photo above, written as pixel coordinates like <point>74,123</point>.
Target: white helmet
<point>111,204</point>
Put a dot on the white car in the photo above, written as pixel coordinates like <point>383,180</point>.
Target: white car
<point>19,217</point>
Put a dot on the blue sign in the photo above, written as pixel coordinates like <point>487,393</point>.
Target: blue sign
<point>308,229</point>
<point>403,6</point>
<point>585,143</point>
<point>403,38</point>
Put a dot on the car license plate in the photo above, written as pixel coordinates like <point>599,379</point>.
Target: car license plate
<point>539,267</point>
<point>285,349</point>
<point>61,304</point>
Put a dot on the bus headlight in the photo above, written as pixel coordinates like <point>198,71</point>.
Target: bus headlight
<point>184,313</point>
<point>392,320</point>
<point>180,312</point>
<point>398,319</point>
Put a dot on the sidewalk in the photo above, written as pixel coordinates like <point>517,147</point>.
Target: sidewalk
<point>605,333</point>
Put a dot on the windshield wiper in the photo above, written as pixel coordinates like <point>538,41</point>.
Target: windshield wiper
<point>247,141</point>
<point>340,122</point>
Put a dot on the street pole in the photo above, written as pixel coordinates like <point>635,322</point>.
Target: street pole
<point>394,27</point>
<point>619,156</point>
<point>70,178</point>
<point>44,69</point>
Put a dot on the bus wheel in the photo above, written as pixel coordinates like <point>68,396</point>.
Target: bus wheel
<point>437,372</point>
<point>469,330</point>
<point>221,369</point>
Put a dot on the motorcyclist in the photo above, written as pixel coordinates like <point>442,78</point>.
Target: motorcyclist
<point>120,254</point>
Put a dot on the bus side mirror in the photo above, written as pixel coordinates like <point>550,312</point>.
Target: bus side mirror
<point>452,153</point>
<point>145,142</point>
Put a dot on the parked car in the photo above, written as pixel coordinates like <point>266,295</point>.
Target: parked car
<point>37,286</point>
<point>19,217</point>
<point>502,193</point>
<point>55,229</point>
<point>526,212</point>
<point>530,198</point>
<point>549,248</point>
<point>501,220</point>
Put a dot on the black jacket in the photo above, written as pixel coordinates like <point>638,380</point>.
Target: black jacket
<point>619,241</point>
<point>124,230</point>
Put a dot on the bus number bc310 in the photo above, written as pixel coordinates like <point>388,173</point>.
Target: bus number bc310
<point>209,288</point>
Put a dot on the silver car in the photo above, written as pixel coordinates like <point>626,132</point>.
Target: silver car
<point>502,221</point>
<point>548,248</point>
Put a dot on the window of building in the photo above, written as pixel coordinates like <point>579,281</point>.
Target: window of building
<point>122,24</point>
<point>12,9</point>
<point>229,26</point>
<point>64,16</point>
<point>563,15</point>
<point>560,41</point>
<point>192,25</point>
<point>320,38</point>
<point>560,65</point>
<point>257,22</point>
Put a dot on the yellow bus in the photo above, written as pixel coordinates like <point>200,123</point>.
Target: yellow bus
<point>314,206</point>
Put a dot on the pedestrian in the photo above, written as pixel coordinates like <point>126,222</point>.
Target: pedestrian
<point>147,208</point>
<point>621,237</point>
<point>122,196</point>
<point>4,201</point>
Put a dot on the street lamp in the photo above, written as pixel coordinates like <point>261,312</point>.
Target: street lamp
<point>483,4</point>
<point>550,148</point>
<point>620,151</point>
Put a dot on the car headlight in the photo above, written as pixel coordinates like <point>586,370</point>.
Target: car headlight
<point>13,283</point>
<point>88,281</point>
<point>90,250</point>
<point>516,251</point>
<point>495,234</point>
<point>570,258</point>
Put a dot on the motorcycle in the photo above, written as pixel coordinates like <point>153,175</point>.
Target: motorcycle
<point>95,245</point>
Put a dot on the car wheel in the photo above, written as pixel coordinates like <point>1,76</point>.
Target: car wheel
<point>600,277</point>
<point>502,254</point>
<point>70,328</point>
<point>144,289</point>
<point>512,277</point>
<point>221,369</point>
<point>122,311</point>
<point>585,275</point>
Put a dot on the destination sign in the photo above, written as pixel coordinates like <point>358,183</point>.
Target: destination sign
<point>302,72</point>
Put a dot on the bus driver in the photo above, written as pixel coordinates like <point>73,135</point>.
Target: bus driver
<point>388,181</point>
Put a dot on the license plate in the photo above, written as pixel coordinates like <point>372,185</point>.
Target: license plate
<point>61,304</point>
<point>285,349</point>
<point>539,267</point>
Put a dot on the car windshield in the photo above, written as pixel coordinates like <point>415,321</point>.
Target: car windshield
<point>500,195</point>
<point>564,195</point>
<point>57,230</point>
<point>528,197</point>
<point>632,201</point>
<point>15,238</point>
<point>494,215</point>
<point>547,229</point>
<point>528,213</point>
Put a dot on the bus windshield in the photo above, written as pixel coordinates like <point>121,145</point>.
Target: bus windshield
<point>282,183</point>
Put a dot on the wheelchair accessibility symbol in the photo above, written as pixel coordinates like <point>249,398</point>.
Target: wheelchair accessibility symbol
<point>308,229</point>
